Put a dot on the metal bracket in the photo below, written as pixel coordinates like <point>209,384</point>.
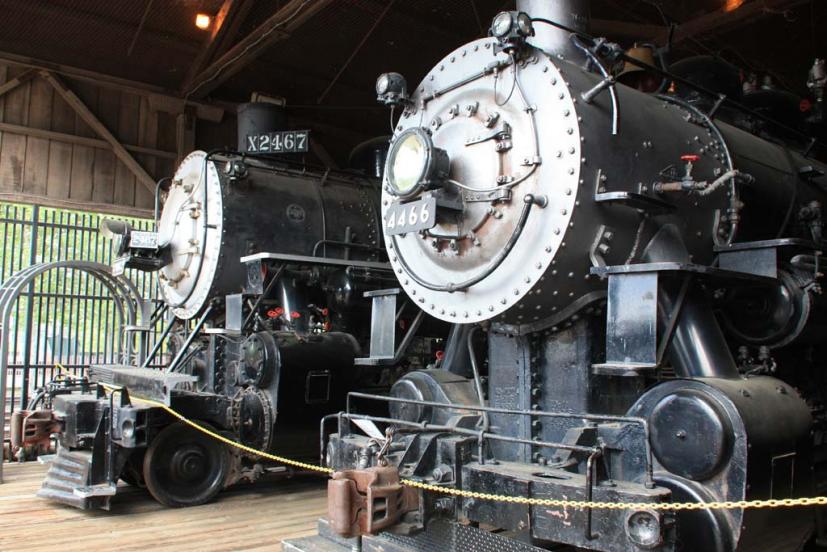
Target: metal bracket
<point>631,324</point>
<point>759,258</point>
<point>633,200</point>
<point>600,245</point>
<point>632,344</point>
<point>503,133</point>
<point>383,350</point>
<point>501,194</point>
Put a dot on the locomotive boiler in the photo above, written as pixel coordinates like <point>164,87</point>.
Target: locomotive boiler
<point>637,285</point>
<point>262,264</point>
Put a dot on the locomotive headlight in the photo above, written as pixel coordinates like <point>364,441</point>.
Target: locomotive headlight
<point>408,162</point>
<point>502,24</point>
<point>392,89</point>
<point>524,24</point>
<point>511,30</point>
<point>382,84</point>
<point>415,164</point>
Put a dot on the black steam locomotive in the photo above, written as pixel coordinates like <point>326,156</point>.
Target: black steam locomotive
<point>638,286</point>
<point>263,265</point>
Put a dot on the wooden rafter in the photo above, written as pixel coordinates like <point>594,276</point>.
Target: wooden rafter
<point>95,124</point>
<point>221,22</point>
<point>164,99</point>
<point>278,26</point>
<point>232,27</point>
<point>10,85</point>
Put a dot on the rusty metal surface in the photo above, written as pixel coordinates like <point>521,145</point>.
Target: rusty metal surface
<point>32,429</point>
<point>366,501</point>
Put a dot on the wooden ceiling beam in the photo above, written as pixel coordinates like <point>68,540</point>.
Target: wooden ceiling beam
<point>719,20</point>
<point>10,85</point>
<point>95,124</point>
<point>232,27</point>
<point>159,97</point>
<point>221,22</point>
<point>277,27</point>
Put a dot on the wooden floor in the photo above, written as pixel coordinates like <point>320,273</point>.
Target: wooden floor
<point>246,517</point>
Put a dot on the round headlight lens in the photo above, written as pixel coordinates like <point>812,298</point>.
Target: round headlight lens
<point>382,84</point>
<point>524,24</point>
<point>501,25</point>
<point>408,162</point>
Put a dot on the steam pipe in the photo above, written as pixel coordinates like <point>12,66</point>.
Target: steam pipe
<point>698,348</point>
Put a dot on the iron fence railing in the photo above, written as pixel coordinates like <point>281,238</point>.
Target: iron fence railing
<point>65,316</point>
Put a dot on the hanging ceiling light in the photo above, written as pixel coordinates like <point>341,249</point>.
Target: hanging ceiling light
<point>202,21</point>
<point>732,5</point>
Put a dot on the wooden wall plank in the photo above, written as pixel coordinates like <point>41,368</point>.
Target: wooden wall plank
<point>36,167</point>
<point>15,110</point>
<point>128,131</point>
<point>41,158</point>
<point>4,69</point>
<point>83,157</point>
<point>92,120</point>
<point>148,137</point>
<point>103,176</point>
<point>60,153</point>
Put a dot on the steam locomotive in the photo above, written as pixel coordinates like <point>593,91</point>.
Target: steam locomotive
<point>636,288</point>
<point>262,264</point>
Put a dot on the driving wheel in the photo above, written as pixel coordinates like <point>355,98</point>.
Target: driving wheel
<point>184,467</point>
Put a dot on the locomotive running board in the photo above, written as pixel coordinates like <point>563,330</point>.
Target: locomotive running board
<point>147,383</point>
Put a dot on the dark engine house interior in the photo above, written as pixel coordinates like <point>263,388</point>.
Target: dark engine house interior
<point>399,276</point>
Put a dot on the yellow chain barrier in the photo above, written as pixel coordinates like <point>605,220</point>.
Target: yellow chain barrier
<point>548,502</point>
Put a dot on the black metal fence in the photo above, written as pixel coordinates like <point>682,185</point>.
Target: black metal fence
<point>65,316</point>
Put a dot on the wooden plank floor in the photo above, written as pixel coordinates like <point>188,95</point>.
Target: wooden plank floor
<point>245,517</point>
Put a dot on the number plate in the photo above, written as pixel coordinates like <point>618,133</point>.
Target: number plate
<point>289,141</point>
<point>401,218</point>
<point>143,240</point>
<point>119,265</point>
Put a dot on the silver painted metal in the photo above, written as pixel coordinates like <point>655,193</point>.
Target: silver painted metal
<point>573,14</point>
<point>383,323</point>
<point>478,166</point>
